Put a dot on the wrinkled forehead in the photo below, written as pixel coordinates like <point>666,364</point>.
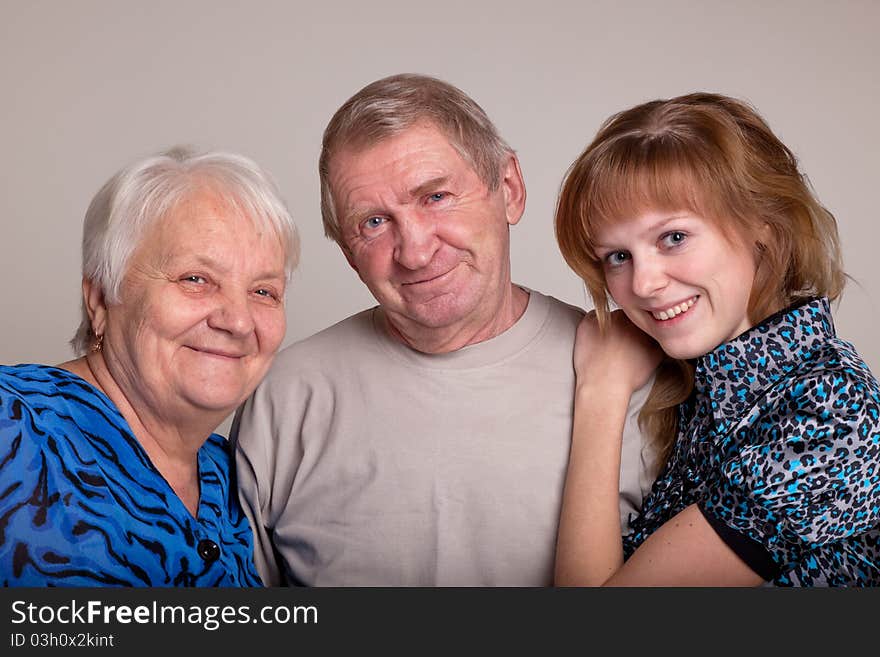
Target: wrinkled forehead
<point>397,163</point>
<point>215,203</point>
<point>209,207</point>
<point>372,140</point>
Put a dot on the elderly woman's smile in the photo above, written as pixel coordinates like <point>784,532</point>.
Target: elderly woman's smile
<point>202,309</point>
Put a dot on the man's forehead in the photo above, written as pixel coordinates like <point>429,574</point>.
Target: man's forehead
<point>408,159</point>
<point>354,150</point>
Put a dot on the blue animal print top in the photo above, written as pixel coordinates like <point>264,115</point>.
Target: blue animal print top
<point>82,505</point>
<point>779,446</point>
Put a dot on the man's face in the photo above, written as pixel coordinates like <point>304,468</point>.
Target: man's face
<point>424,233</point>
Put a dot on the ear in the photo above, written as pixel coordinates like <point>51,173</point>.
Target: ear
<point>93,296</point>
<point>514,189</point>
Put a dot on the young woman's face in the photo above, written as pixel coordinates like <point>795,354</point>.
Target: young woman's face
<point>679,279</point>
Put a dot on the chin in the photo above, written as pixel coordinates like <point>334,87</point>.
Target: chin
<point>217,401</point>
<point>439,315</point>
<point>445,307</point>
<point>683,352</point>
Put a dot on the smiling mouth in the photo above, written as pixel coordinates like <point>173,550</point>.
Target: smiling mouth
<point>218,354</point>
<point>674,311</point>
<point>429,280</point>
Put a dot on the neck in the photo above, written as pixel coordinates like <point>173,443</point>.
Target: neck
<point>452,338</point>
<point>172,446</point>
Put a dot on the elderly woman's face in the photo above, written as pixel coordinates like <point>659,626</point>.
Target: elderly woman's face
<point>202,311</point>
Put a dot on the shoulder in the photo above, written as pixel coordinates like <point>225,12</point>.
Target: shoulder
<point>318,360</point>
<point>26,388</point>
<point>35,381</point>
<point>835,372</point>
<point>25,379</point>
<point>344,336</point>
<point>566,310</point>
<point>560,314</point>
<point>829,400</point>
<point>28,418</point>
<point>57,405</point>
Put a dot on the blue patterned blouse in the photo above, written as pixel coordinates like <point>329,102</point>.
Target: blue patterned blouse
<point>780,448</point>
<point>82,505</point>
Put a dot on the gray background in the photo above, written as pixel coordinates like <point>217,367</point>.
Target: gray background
<point>88,85</point>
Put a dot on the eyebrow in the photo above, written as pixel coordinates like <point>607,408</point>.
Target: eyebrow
<point>211,263</point>
<point>654,227</point>
<point>428,185</point>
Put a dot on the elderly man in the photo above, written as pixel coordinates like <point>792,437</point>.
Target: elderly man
<point>422,442</point>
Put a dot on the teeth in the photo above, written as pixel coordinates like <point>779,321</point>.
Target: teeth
<point>669,313</point>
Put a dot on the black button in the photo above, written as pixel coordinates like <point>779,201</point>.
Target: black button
<point>208,550</point>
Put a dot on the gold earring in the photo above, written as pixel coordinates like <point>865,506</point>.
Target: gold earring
<point>98,344</point>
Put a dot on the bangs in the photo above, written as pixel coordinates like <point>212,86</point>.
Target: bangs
<point>658,174</point>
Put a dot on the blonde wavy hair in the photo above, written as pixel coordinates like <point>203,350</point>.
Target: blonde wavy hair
<point>714,156</point>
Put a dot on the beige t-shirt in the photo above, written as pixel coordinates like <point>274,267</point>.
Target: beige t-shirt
<point>362,462</point>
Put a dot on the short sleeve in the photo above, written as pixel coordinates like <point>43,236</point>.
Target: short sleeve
<point>803,467</point>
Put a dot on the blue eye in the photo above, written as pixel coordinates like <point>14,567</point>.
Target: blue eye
<point>616,258</point>
<point>437,196</point>
<point>675,238</point>
<point>193,278</point>
<point>374,222</point>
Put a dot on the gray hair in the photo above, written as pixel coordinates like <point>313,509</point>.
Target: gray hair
<point>388,107</point>
<point>148,189</point>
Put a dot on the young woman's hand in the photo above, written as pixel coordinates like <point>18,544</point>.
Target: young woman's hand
<point>621,357</point>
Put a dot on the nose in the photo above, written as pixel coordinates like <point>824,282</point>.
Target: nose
<point>232,315</point>
<point>417,241</point>
<point>648,276</point>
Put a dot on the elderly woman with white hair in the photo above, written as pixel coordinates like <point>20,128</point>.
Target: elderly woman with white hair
<point>110,474</point>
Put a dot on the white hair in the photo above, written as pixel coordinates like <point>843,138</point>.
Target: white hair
<point>148,189</point>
